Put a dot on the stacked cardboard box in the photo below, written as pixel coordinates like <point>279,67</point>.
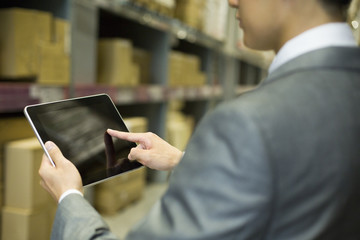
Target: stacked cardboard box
<point>34,44</point>
<point>166,7</point>
<point>175,68</point>
<point>191,12</point>
<point>61,34</point>
<point>54,56</point>
<point>163,7</point>
<point>184,70</point>
<point>21,31</point>
<point>179,127</point>
<point>29,210</point>
<point>117,193</point>
<point>143,3</point>
<point>143,59</point>
<point>54,65</point>
<point>215,18</point>
<point>136,124</point>
<point>12,128</point>
<point>115,63</point>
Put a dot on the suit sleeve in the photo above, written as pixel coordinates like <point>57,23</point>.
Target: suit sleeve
<point>222,188</point>
<point>76,219</point>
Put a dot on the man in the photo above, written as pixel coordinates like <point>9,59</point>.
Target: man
<point>280,162</point>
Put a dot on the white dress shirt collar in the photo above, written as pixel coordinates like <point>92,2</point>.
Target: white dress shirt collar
<point>327,35</point>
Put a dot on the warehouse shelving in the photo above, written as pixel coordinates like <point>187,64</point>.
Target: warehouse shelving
<point>157,35</point>
<point>94,19</point>
<point>14,96</point>
<point>60,8</point>
<point>147,30</point>
<point>87,16</point>
<point>151,19</point>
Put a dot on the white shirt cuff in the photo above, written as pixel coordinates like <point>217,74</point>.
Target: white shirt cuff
<point>68,192</point>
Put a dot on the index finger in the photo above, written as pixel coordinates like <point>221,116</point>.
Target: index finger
<point>132,137</point>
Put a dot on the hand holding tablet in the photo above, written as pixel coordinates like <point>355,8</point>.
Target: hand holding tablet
<point>61,178</point>
<point>79,128</point>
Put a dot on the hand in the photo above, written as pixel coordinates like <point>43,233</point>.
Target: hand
<point>64,176</point>
<point>151,151</point>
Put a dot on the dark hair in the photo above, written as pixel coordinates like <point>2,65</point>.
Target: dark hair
<point>336,6</point>
<point>339,3</point>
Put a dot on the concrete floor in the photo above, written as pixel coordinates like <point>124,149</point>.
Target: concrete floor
<point>122,222</point>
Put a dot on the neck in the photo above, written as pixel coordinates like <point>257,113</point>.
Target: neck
<point>303,15</point>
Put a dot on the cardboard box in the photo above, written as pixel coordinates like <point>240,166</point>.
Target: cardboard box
<point>190,12</point>
<point>26,224</point>
<point>141,2</point>
<point>192,65</point>
<point>184,70</point>
<point>12,128</point>
<point>21,31</point>
<point>135,175</point>
<point>178,134</point>
<point>175,73</point>
<point>179,128</point>
<point>134,76</point>
<point>115,64</point>
<point>152,5</point>
<point>1,194</point>
<point>215,19</point>
<point>136,124</point>
<point>143,59</point>
<point>111,200</point>
<point>22,188</point>
<point>166,7</point>
<point>61,34</point>
<point>200,79</point>
<point>54,66</point>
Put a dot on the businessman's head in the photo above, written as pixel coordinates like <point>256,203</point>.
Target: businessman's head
<point>268,24</point>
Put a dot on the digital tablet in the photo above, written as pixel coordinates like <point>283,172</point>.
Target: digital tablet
<point>78,127</point>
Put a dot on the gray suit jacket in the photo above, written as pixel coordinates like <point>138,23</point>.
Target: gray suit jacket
<point>280,162</point>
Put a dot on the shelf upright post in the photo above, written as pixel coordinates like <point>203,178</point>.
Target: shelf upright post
<point>158,42</point>
<point>229,67</point>
<point>200,107</point>
<point>210,67</point>
<point>84,28</point>
<point>230,73</point>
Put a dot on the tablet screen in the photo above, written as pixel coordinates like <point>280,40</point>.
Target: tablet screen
<point>78,127</point>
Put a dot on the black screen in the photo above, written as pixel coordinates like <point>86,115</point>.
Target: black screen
<point>78,127</point>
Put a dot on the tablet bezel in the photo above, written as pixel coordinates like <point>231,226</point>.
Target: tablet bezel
<point>31,112</point>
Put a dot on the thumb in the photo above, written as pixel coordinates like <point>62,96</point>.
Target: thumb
<point>54,152</point>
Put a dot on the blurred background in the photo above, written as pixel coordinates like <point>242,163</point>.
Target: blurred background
<point>165,64</point>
